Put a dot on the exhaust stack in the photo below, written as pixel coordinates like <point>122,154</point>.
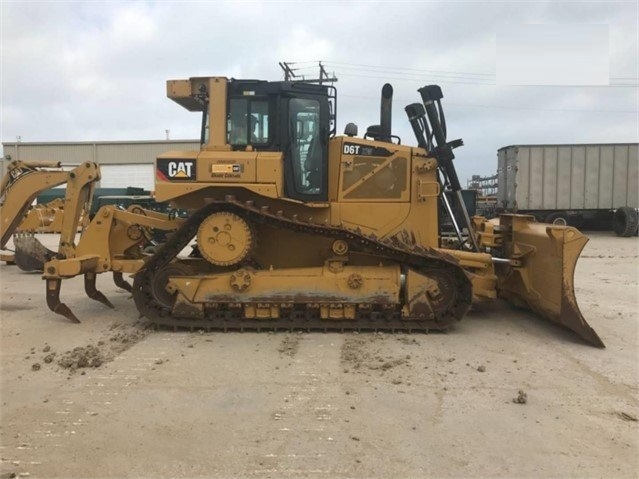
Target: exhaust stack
<point>386,113</point>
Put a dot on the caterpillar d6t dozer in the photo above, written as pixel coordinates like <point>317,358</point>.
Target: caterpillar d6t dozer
<point>293,226</point>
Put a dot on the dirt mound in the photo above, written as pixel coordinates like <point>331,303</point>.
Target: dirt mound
<point>94,355</point>
<point>89,356</point>
<point>522,398</point>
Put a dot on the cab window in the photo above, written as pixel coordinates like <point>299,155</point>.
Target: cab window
<point>248,122</point>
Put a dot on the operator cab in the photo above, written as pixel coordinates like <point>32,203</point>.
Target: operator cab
<point>294,118</point>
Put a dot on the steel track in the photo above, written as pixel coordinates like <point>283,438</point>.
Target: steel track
<point>224,316</point>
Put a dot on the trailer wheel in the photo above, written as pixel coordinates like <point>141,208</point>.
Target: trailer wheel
<point>560,219</point>
<point>624,222</point>
<point>576,220</point>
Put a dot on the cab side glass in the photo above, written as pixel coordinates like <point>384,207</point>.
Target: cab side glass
<point>248,122</point>
<point>306,147</point>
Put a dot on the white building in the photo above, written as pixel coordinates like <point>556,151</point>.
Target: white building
<point>122,163</point>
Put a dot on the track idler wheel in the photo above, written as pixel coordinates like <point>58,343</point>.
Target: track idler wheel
<point>431,293</point>
<point>161,280</point>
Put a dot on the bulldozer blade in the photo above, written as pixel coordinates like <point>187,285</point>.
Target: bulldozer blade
<point>541,274</point>
<point>120,282</point>
<point>92,291</point>
<point>53,300</point>
<point>30,254</point>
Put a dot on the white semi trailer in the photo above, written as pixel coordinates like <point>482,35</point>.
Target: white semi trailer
<point>582,185</point>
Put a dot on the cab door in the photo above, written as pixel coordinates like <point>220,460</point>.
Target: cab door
<point>306,151</point>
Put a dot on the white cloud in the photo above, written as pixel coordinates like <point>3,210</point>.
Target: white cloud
<point>133,24</point>
<point>88,70</point>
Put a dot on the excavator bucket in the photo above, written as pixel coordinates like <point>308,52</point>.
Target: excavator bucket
<point>30,253</point>
<point>540,276</point>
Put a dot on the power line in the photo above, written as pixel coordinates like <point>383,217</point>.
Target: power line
<point>406,69</point>
<point>571,110</point>
<point>417,75</point>
<point>444,80</point>
<point>470,105</point>
<point>411,79</point>
<point>472,76</point>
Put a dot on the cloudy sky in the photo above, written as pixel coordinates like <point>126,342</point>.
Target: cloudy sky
<point>97,71</point>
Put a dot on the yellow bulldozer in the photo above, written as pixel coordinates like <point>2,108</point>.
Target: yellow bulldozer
<point>291,225</point>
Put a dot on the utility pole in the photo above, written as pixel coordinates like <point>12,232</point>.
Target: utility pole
<point>324,75</point>
<point>18,141</point>
<point>288,71</point>
<point>289,74</point>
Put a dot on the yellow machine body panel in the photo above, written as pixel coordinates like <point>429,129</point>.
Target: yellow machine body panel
<point>180,173</point>
<point>393,194</point>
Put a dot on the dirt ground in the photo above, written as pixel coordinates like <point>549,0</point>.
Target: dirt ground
<point>504,394</point>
